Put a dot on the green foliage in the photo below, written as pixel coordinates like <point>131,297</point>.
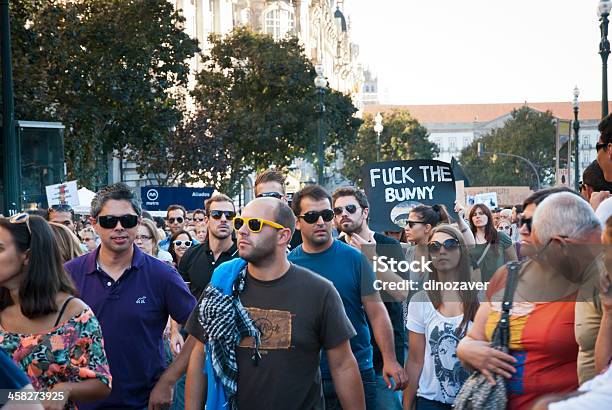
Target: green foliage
<point>402,138</point>
<point>528,133</point>
<point>113,71</point>
<point>262,93</point>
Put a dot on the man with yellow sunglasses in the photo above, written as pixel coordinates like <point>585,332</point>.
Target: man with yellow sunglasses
<point>297,312</point>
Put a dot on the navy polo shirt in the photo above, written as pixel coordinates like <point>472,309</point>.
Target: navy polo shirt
<point>133,312</point>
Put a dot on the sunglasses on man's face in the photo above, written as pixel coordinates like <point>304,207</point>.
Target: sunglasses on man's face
<point>61,208</point>
<point>255,225</point>
<point>525,221</point>
<point>449,244</point>
<point>600,145</point>
<point>216,214</point>
<point>351,209</point>
<point>198,219</point>
<point>276,195</point>
<point>312,217</point>
<point>178,220</point>
<point>110,221</point>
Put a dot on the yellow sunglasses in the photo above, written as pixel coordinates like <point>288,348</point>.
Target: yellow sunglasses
<point>255,225</point>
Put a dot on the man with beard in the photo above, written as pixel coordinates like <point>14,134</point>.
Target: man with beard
<point>199,262</point>
<point>352,276</point>
<point>296,312</point>
<point>351,210</point>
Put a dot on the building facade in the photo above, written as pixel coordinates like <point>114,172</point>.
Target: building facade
<point>454,127</point>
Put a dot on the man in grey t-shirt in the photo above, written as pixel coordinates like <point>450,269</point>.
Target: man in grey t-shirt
<point>297,312</point>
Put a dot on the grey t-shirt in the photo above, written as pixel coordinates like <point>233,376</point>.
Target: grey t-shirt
<point>298,315</point>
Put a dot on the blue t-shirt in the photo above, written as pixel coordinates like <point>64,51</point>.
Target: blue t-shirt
<point>352,275</point>
<point>11,377</point>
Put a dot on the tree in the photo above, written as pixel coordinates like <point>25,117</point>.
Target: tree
<point>113,71</point>
<point>528,133</point>
<point>262,93</point>
<point>403,138</point>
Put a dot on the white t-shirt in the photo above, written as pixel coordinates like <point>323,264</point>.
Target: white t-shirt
<point>442,375</point>
<point>597,395</point>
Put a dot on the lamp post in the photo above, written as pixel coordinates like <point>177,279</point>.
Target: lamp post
<point>576,107</point>
<point>378,128</point>
<point>603,11</point>
<point>321,84</point>
<point>10,151</point>
<point>482,152</point>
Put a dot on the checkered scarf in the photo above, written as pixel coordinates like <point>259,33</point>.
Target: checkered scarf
<point>225,322</point>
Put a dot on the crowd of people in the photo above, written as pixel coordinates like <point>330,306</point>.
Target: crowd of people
<point>275,305</point>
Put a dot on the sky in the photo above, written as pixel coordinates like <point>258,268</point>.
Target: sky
<point>479,51</point>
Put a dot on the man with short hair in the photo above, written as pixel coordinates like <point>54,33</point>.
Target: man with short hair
<point>351,209</point>
<point>271,183</point>
<point>199,262</point>
<point>176,221</point>
<point>199,217</point>
<point>297,313</point>
<point>132,294</point>
<point>353,277</point>
<point>62,214</point>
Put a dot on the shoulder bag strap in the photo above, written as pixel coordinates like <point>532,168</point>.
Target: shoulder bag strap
<point>483,254</point>
<point>504,321</point>
<point>61,312</point>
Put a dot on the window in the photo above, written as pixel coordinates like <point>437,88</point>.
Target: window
<point>279,20</point>
<point>466,141</point>
<point>585,142</point>
<point>452,144</point>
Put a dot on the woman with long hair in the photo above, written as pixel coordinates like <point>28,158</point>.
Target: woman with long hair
<point>68,242</point>
<point>148,239</point>
<point>437,320</point>
<point>51,335</point>
<point>179,243</point>
<point>493,249</point>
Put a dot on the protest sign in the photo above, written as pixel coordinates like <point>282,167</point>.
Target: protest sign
<point>64,193</point>
<point>159,198</point>
<point>394,188</point>
<point>489,199</point>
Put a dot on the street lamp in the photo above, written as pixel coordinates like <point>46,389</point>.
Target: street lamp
<point>576,107</point>
<point>378,128</point>
<point>10,151</point>
<point>321,83</point>
<point>603,11</point>
<point>482,152</point>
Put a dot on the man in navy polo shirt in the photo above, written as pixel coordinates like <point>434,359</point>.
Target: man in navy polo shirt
<point>132,295</point>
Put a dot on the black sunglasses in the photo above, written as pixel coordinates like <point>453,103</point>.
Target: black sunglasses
<point>525,221</point>
<point>110,221</point>
<point>60,208</point>
<point>412,223</point>
<point>178,220</point>
<point>351,209</point>
<point>313,216</point>
<point>600,145</point>
<point>198,219</point>
<point>270,195</point>
<point>216,214</point>
<point>449,244</point>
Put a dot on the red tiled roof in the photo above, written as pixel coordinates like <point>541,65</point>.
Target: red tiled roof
<point>589,110</point>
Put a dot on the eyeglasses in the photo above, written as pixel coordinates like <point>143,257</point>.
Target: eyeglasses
<point>187,244</point>
<point>255,225</point>
<point>313,216</point>
<point>412,223</point>
<point>143,238</point>
<point>505,228</point>
<point>22,218</point>
<point>351,209</point>
<point>600,145</point>
<point>270,195</point>
<point>110,221</point>
<point>61,208</point>
<point>179,220</point>
<point>216,214</point>
<point>449,244</point>
<point>525,221</point>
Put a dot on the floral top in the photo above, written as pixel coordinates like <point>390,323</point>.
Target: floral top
<point>73,351</point>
